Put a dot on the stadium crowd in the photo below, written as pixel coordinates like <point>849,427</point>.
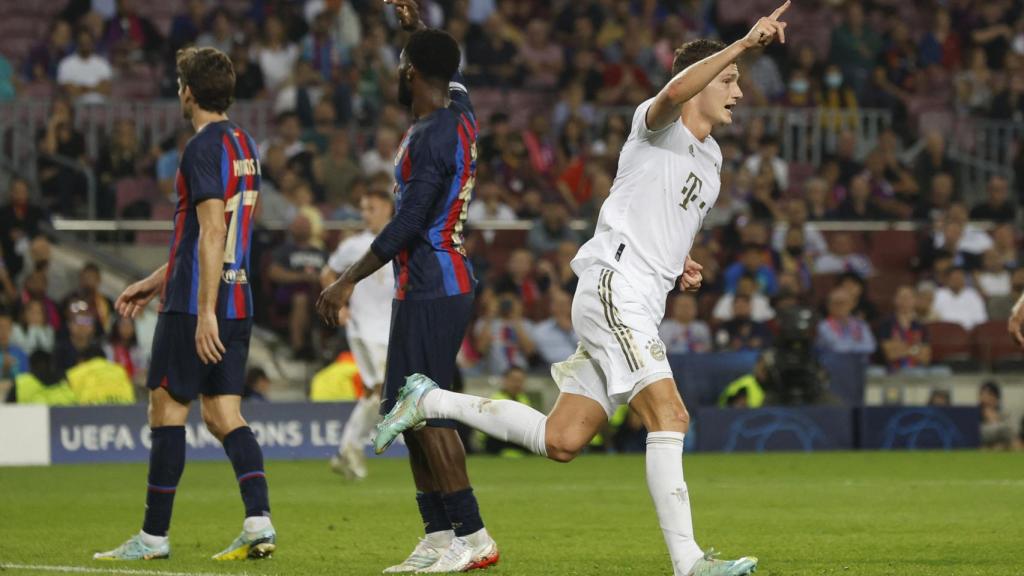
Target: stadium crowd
<point>327,69</point>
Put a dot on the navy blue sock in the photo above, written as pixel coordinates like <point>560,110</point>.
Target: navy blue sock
<point>166,463</point>
<point>435,519</point>
<point>463,512</point>
<point>247,459</point>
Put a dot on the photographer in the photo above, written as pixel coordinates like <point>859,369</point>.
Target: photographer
<point>502,335</point>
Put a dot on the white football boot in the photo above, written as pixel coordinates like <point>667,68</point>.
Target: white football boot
<point>425,554</point>
<point>473,552</point>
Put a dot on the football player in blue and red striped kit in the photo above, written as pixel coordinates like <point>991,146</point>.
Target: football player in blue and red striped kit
<point>201,342</point>
<point>434,170</point>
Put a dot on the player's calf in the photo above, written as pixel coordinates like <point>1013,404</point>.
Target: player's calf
<point>660,407</point>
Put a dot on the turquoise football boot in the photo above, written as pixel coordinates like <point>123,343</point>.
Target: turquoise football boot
<point>250,545</point>
<point>710,566</point>
<point>136,549</point>
<point>406,414</point>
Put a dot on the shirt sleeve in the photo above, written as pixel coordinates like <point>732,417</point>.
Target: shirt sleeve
<point>868,346</point>
<point>343,257</point>
<point>425,187</point>
<point>204,173</point>
<point>104,72</point>
<point>457,90</point>
<point>640,129</point>
<point>63,74</point>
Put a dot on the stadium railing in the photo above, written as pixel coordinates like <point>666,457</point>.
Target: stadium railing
<point>90,178</point>
<point>97,225</point>
<point>985,148</point>
<point>155,121</point>
<point>806,134</point>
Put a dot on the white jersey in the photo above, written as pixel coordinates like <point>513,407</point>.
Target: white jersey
<point>666,183</point>
<point>370,304</point>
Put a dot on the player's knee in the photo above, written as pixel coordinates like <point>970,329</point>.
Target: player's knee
<point>213,424</point>
<point>561,448</point>
<point>220,426</point>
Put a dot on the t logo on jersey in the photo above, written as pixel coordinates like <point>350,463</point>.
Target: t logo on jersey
<point>691,191</point>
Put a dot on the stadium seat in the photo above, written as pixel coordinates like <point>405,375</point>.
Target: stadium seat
<point>488,101</point>
<point>995,348</point>
<point>163,211</point>
<point>129,191</point>
<point>882,287</point>
<point>999,307</point>
<point>36,90</point>
<point>951,345</point>
<point>821,285</point>
<point>16,46</point>
<point>509,239</point>
<point>139,83</point>
<point>860,243</point>
<point>893,249</point>
<point>799,172</point>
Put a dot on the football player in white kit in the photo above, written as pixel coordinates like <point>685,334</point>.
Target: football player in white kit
<point>667,181</point>
<point>367,322</point>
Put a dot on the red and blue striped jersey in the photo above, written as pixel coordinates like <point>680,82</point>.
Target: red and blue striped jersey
<point>435,168</point>
<point>220,162</point>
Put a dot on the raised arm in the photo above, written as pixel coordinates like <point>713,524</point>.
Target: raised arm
<point>408,12</point>
<point>668,103</point>
<point>409,17</point>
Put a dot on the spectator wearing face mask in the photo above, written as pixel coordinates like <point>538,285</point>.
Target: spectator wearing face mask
<point>838,101</point>
<point>798,91</point>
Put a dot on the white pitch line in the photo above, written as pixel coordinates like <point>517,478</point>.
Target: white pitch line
<point>111,570</point>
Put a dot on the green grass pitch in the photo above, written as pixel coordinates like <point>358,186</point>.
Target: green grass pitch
<point>856,514</point>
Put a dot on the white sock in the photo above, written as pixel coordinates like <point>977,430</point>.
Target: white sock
<point>256,524</point>
<point>152,541</point>
<point>478,538</point>
<point>362,420</point>
<point>671,499</point>
<point>441,539</point>
<point>505,420</point>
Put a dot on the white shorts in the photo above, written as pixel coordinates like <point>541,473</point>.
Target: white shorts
<point>371,359</point>
<point>620,352</point>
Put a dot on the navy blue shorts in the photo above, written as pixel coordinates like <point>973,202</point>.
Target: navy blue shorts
<point>425,339</point>
<point>175,364</point>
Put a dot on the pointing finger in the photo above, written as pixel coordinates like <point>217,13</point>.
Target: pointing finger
<point>780,10</point>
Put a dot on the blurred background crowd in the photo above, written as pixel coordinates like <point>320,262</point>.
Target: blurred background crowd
<point>869,196</point>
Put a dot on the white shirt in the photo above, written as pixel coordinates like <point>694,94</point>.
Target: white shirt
<point>680,338</point>
<point>779,168</point>
<point>814,240</point>
<point>554,344</point>
<point>760,308</point>
<point>973,241</point>
<point>370,304</point>
<point>835,264</point>
<point>277,65</point>
<point>667,181</point>
<point>995,284</point>
<point>373,163</point>
<point>966,308</point>
<point>88,72</point>
<point>480,211</point>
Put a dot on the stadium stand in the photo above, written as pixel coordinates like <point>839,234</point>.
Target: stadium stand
<point>887,120</point>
